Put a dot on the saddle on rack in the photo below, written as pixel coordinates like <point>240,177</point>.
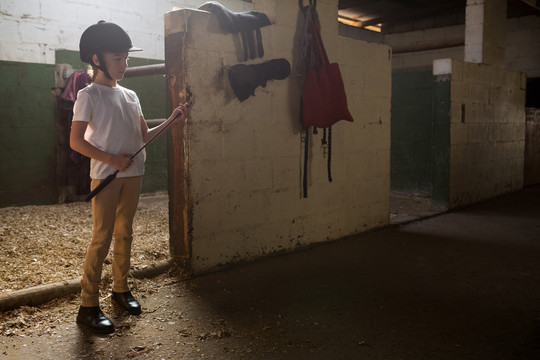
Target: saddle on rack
<point>245,23</point>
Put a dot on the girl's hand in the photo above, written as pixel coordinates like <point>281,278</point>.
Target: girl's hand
<point>182,111</point>
<point>121,161</point>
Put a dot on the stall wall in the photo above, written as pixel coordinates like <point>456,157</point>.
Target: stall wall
<point>243,165</point>
<point>532,144</point>
<point>487,132</point>
<point>27,134</point>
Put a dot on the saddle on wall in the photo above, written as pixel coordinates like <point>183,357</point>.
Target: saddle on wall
<point>248,24</point>
<point>245,79</point>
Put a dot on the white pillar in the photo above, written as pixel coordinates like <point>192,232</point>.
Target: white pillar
<point>485,32</point>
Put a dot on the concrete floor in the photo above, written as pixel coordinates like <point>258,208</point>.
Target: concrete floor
<point>462,285</point>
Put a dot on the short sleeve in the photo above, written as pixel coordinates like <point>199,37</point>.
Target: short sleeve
<point>82,110</point>
<point>139,108</point>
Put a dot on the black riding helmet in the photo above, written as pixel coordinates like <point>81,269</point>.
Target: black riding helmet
<point>104,37</point>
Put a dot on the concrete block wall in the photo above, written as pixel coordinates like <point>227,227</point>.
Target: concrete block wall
<point>523,45</point>
<point>522,50</point>
<point>532,144</point>
<point>487,132</point>
<point>485,31</point>
<point>417,38</point>
<point>32,30</point>
<point>424,59</point>
<point>244,164</point>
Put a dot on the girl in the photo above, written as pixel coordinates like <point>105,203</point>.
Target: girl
<point>109,127</point>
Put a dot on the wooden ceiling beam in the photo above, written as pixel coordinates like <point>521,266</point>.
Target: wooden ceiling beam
<point>346,4</point>
<point>415,13</point>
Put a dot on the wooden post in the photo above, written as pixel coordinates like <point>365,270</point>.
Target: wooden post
<point>180,244</point>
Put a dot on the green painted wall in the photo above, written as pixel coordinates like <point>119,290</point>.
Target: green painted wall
<point>441,140</point>
<point>411,127</point>
<point>28,129</point>
<point>27,134</point>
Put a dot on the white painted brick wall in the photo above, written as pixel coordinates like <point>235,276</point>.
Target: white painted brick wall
<point>32,30</point>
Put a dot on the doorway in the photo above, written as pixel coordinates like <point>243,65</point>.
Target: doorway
<point>414,165</point>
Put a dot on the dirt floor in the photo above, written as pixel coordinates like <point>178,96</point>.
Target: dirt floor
<point>463,285</point>
<point>407,207</point>
<point>47,244</point>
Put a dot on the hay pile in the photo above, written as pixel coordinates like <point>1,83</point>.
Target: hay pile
<point>47,244</point>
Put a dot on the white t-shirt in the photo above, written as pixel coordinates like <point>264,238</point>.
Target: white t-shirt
<point>114,125</point>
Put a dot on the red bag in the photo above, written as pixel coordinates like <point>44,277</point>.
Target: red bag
<point>324,101</point>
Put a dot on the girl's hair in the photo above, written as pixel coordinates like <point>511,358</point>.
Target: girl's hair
<point>92,72</point>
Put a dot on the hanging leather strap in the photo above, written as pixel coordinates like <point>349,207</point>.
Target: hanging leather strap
<point>306,157</point>
<point>260,49</point>
<point>321,58</point>
<point>317,38</point>
<point>329,164</point>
